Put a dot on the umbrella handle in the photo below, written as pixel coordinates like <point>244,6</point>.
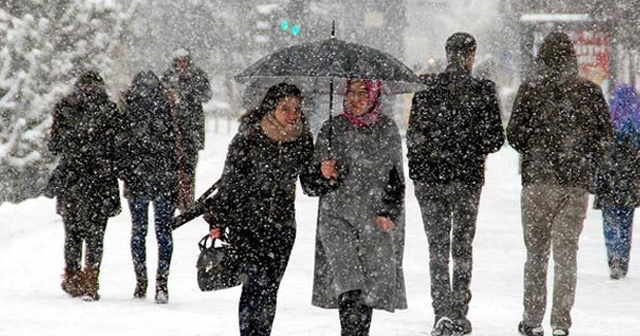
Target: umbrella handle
<point>330,137</point>
<point>333,29</point>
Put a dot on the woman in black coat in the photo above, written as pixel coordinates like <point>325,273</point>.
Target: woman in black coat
<point>84,182</point>
<point>255,202</point>
<point>148,165</point>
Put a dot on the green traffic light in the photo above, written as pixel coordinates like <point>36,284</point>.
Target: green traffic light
<point>295,31</point>
<point>284,24</point>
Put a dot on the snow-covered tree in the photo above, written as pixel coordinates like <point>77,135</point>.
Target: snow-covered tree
<point>44,45</point>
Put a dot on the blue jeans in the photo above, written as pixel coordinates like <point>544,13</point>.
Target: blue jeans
<point>618,227</point>
<point>164,208</point>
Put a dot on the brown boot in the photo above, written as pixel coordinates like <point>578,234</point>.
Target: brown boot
<point>91,284</point>
<point>72,283</point>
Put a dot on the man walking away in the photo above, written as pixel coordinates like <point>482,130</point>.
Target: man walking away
<point>560,125</point>
<point>453,125</point>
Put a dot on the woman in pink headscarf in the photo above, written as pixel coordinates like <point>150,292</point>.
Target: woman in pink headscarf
<point>360,232</point>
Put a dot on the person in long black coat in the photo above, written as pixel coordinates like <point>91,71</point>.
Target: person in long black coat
<point>454,124</point>
<point>255,201</point>
<point>84,182</point>
<point>148,165</point>
<point>187,88</point>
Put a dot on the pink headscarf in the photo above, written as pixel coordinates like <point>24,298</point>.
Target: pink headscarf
<point>372,116</point>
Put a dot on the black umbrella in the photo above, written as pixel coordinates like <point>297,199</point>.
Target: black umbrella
<point>322,66</point>
<point>317,66</point>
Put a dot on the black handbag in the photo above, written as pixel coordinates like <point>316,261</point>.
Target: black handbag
<point>219,267</point>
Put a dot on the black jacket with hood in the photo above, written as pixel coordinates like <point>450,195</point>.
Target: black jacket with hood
<point>147,147</point>
<point>560,121</point>
<point>83,136</point>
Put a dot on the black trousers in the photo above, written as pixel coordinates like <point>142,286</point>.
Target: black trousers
<point>355,316</point>
<point>269,250</point>
<point>83,228</point>
<point>449,214</point>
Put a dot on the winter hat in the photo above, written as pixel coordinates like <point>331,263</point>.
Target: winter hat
<point>182,52</point>
<point>460,45</point>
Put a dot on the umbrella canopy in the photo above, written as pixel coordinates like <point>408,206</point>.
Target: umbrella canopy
<point>317,66</point>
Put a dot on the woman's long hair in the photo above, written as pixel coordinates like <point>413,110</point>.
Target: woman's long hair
<point>274,95</point>
<point>625,109</point>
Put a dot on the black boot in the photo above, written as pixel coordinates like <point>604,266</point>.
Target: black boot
<point>355,316</point>
<point>141,287</point>
<point>615,269</point>
<point>162,289</point>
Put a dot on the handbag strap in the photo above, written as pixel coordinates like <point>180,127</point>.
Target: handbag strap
<point>202,244</point>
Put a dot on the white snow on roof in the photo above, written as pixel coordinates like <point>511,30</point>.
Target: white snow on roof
<point>554,17</point>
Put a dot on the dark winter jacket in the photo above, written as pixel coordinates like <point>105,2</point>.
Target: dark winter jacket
<point>618,179</point>
<point>83,135</point>
<point>193,89</point>
<point>147,147</point>
<point>258,184</point>
<point>559,123</point>
<point>453,125</point>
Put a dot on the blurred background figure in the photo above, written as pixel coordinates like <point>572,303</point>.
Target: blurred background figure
<point>187,88</point>
<point>618,181</point>
<point>433,65</point>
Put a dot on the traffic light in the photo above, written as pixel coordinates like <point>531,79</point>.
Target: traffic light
<point>286,26</point>
<point>295,30</point>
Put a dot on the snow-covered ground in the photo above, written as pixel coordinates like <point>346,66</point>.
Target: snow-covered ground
<point>31,262</point>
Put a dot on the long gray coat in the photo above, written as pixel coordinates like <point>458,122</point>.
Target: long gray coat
<point>352,252</point>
